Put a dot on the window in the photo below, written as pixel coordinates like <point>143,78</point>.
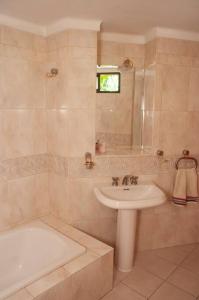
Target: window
<point>108,82</point>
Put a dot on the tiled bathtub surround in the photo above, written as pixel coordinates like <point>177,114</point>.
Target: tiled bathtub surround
<point>23,169</point>
<point>88,277</point>
<point>23,189</point>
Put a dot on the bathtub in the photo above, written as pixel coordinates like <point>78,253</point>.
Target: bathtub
<point>31,251</point>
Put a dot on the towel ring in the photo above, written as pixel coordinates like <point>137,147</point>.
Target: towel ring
<point>187,157</point>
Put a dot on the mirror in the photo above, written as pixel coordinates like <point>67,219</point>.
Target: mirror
<point>120,111</point>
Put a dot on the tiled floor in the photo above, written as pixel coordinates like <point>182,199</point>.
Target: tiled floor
<point>162,274</point>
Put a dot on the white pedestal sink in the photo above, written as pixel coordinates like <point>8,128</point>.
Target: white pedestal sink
<point>128,199</point>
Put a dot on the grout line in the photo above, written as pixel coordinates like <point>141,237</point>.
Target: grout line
<point>157,289</point>
<point>158,276</point>
<point>191,252</point>
<point>134,290</point>
<point>171,262</point>
<point>165,280</point>
<point>185,291</point>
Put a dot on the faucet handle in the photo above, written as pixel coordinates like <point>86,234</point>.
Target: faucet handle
<point>115,181</point>
<point>134,180</point>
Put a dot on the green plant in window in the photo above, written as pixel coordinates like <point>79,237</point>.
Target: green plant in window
<point>109,82</point>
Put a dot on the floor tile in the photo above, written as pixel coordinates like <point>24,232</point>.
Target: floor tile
<point>170,292</point>
<point>118,276</point>
<point>122,292</point>
<point>142,281</point>
<point>186,280</point>
<point>192,261</point>
<point>174,254</point>
<point>155,264</point>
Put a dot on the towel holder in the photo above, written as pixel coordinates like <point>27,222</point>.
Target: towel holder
<point>185,157</point>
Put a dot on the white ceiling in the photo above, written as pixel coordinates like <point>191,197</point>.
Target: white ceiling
<point>122,16</point>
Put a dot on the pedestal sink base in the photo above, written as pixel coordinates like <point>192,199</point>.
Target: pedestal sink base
<point>128,200</point>
<point>125,242</point>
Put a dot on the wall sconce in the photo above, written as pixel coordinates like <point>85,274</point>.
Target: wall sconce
<point>53,73</point>
<point>88,161</point>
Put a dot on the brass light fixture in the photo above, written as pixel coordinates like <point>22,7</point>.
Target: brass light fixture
<point>53,73</point>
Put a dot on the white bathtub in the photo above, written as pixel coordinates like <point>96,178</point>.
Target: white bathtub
<point>31,251</point>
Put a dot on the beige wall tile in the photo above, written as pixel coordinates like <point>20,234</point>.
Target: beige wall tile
<point>18,38</point>
<point>6,209</point>
<point>111,49</point>
<point>26,199</point>
<point>192,131</point>
<point>175,88</point>
<point>82,38</point>
<point>80,132</point>
<point>194,90</point>
<point>58,132</point>
<point>173,132</point>
<point>173,46</point>
<point>20,79</point>
<point>19,131</point>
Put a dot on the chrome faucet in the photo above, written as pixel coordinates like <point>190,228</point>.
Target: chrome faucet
<point>128,179</point>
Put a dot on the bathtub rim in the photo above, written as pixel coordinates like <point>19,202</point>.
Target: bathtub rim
<point>95,250</point>
<point>38,224</point>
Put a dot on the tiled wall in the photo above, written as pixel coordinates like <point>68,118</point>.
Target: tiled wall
<point>71,129</point>
<point>23,178</point>
<point>71,185</point>
<point>175,108</point>
<point>63,125</point>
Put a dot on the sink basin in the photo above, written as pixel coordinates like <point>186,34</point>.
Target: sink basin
<point>128,200</point>
<point>130,197</point>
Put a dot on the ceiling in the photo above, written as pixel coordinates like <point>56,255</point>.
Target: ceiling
<point>126,16</point>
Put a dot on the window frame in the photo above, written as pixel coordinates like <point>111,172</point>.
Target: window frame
<point>109,73</point>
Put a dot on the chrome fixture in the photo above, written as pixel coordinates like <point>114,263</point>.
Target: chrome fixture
<point>134,180</point>
<point>53,73</point>
<point>160,153</point>
<point>127,65</point>
<point>186,152</point>
<point>186,158</point>
<point>129,179</point>
<point>126,180</point>
<point>88,161</point>
<point>115,181</point>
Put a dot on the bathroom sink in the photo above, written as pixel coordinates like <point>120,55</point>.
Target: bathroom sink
<point>130,197</point>
<point>128,200</point>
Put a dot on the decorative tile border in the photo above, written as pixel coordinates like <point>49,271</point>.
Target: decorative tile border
<point>24,166</point>
<point>75,167</point>
<point>58,165</point>
<point>122,165</point>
